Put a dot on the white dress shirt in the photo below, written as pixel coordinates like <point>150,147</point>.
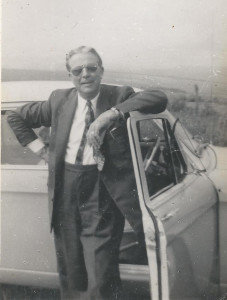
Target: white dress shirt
<point>75,135</point>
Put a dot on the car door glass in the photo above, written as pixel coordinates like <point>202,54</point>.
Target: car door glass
<point>162,158</point>
<point>12,152</point>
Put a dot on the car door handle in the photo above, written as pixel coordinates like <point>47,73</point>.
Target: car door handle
<point>169,215</point>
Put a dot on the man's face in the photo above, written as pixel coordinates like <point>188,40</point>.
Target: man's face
<point>85,74</point>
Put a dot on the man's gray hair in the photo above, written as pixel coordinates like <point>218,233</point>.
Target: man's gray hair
<point>82,49</point>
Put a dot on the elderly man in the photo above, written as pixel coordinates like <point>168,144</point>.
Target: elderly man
<point>91,181</point>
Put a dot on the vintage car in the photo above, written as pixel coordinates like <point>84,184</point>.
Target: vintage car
<point>182,192</point>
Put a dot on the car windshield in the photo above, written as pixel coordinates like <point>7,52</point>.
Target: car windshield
<point>183,134</point>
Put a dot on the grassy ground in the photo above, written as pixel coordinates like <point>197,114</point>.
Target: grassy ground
<point>10,292</point>
<point>206,119</point>
<point>13,292</point>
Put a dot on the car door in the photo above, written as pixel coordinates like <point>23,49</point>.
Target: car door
<point>27,247</point>
<point>179,205</point>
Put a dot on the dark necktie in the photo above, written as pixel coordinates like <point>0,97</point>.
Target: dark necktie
<point>89,118</point>
<point>98,156</point>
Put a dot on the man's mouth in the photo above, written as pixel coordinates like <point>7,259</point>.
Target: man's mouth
<point>87,83</point>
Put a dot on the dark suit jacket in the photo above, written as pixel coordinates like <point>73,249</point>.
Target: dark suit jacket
<point>58,112</point>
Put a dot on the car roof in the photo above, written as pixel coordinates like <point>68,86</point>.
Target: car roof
<point>18,91</point>
<point>24,91</point>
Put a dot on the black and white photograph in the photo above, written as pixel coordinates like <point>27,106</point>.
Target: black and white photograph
<point>113,150</point>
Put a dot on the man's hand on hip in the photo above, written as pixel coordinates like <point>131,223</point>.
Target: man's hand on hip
<point>44,154</point>
<point>98,128</point>
<point>39,148</point>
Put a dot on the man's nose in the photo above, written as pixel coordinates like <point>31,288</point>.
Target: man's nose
<point>85,72</point>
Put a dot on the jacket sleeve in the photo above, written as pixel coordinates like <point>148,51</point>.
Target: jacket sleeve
<point>148,101</point>
<point>28,116</point>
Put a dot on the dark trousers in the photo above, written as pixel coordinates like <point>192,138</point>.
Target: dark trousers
<point>88,228</point>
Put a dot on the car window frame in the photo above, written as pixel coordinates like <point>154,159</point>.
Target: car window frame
<point>166,131</point>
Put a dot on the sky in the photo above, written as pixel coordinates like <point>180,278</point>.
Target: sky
<point>131,36</point>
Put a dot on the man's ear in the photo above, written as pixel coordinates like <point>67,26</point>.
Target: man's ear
<point>70,76</point>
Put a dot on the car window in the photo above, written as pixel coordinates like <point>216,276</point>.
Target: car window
<point>162,159</point>
<point>12,152</point>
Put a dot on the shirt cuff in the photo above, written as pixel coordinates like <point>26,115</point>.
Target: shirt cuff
<point>36,145</point>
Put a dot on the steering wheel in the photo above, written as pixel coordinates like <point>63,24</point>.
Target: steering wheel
<point>149,160</point>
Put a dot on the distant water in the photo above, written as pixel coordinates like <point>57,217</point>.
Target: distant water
<point>209,84</point>
<point>209,87</point>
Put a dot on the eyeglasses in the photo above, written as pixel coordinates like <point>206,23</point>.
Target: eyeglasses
<point>91,68</point>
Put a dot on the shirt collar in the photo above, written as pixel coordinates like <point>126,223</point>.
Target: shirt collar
<point>81,100</point>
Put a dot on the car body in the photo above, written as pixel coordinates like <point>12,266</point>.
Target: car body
<point>182,193</point>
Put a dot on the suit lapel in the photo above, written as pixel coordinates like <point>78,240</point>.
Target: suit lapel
<point>66,115</point>
<point>103,101</point>
<point>65,119</point>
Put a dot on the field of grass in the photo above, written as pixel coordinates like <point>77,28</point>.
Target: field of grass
<point>206,119</point>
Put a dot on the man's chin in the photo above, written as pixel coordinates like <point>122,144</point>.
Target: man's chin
<point>88,89</point>
<point>89,92</point>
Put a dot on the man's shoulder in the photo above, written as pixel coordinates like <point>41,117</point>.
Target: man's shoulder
<point>60,93</point>
<point>60,96</point>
